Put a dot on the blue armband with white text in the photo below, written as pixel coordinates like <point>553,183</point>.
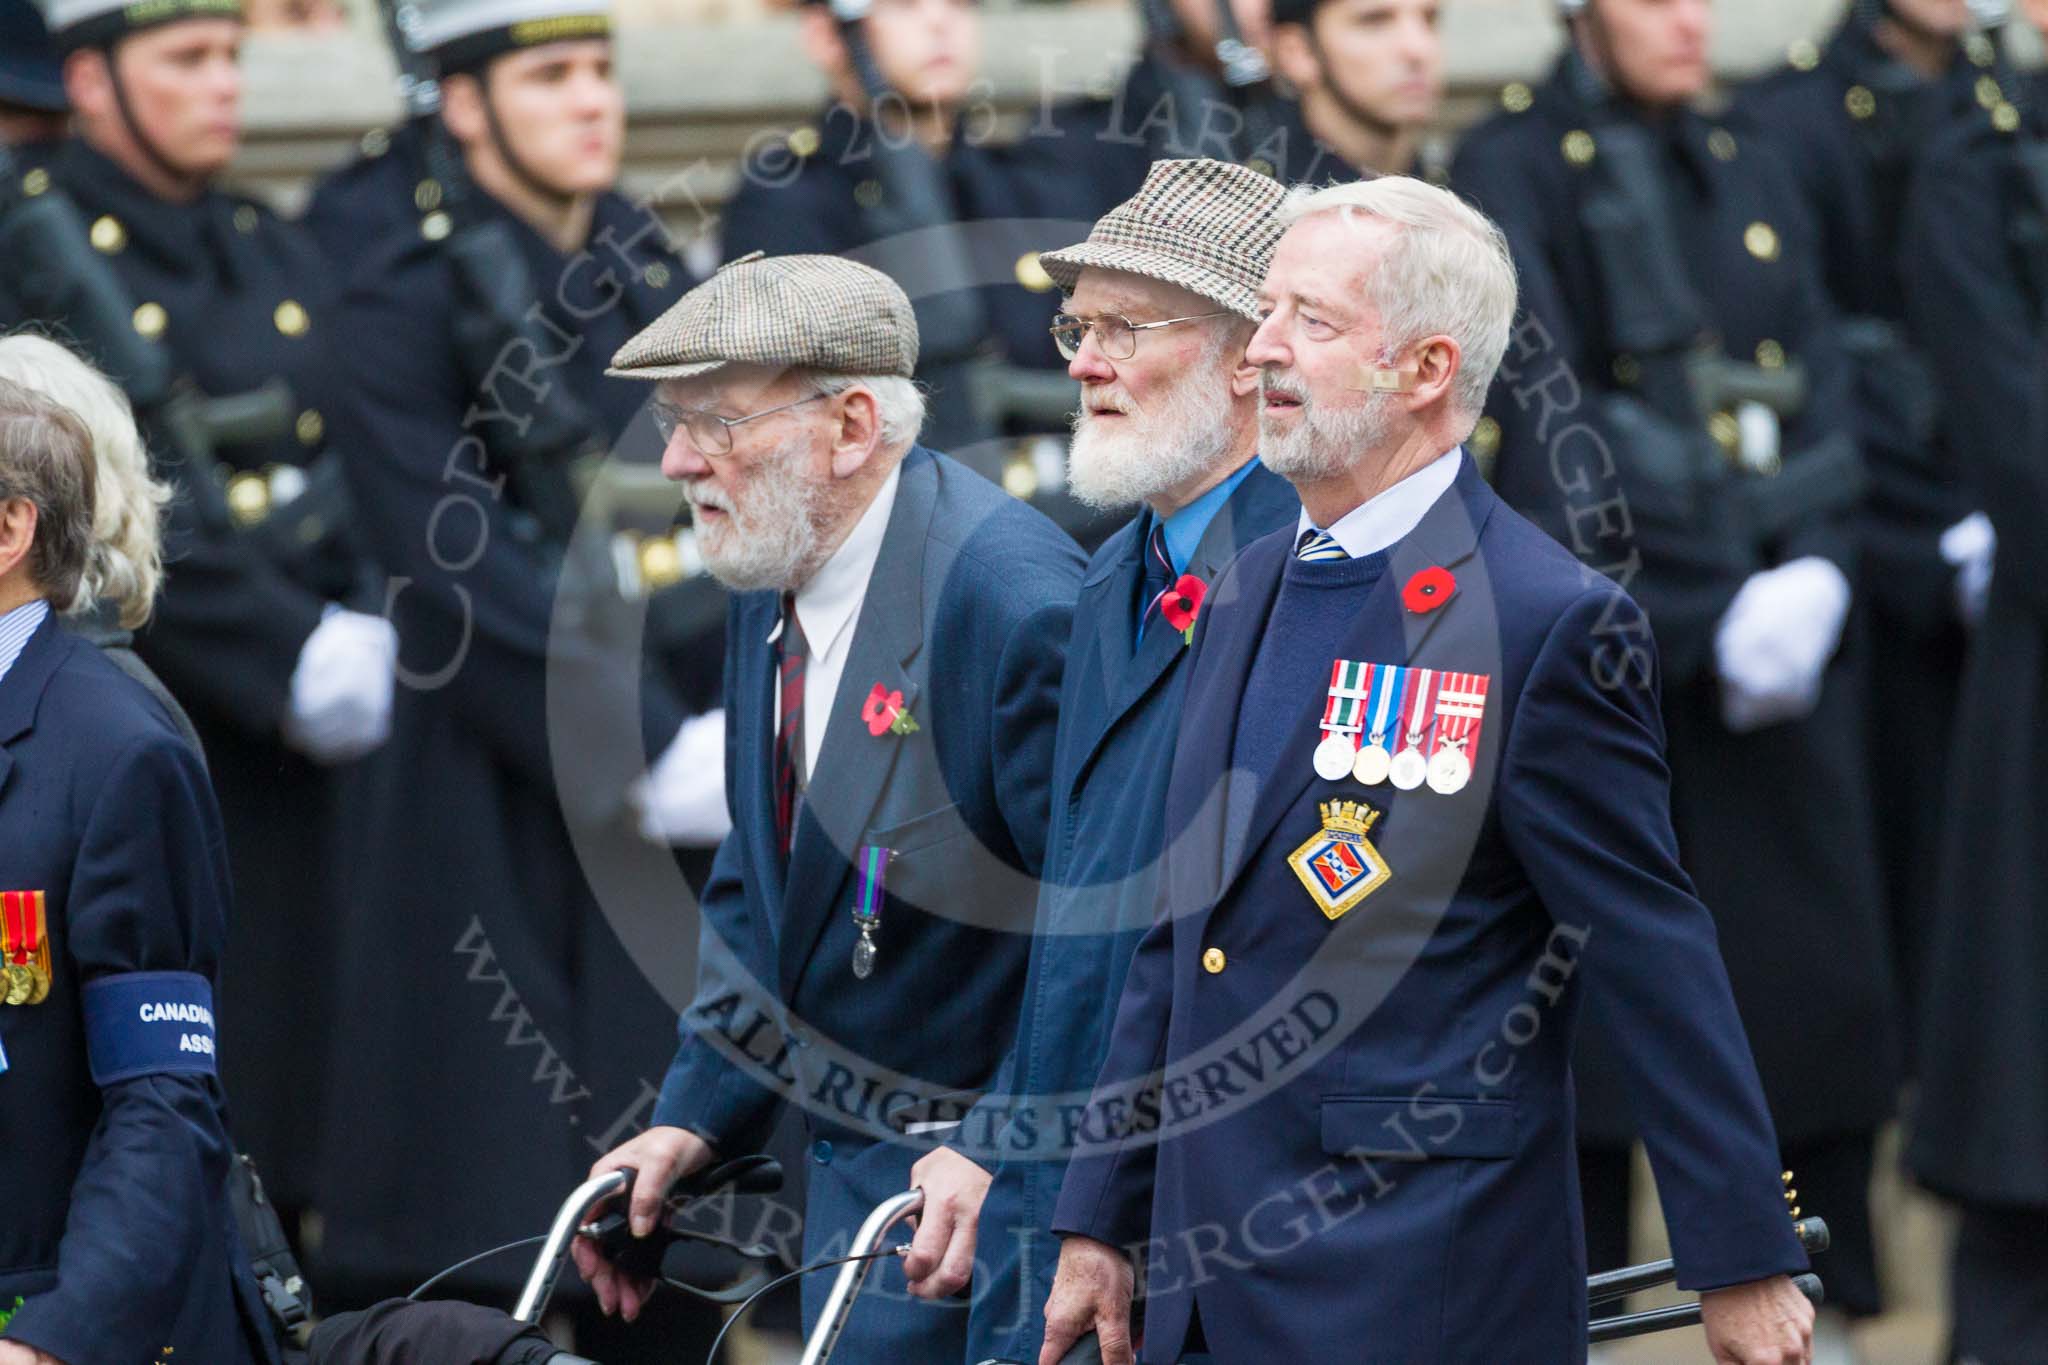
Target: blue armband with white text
<point>149,1024</point>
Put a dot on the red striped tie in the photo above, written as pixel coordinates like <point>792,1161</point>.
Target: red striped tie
<point>791,655</point>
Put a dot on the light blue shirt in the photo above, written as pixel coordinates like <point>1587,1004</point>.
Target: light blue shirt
<point>1186,527</point>
<point>15,628</point>
<point>1386,519</point>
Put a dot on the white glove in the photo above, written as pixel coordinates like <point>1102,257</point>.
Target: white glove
<point>341,689</point>
<point>681,800</point>
<point>1775,640</point>
<point>1971,545</point>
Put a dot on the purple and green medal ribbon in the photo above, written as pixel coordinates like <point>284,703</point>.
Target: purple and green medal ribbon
<point>872,869</point>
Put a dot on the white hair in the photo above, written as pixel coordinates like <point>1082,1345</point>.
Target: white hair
<point>125,563</point>
<point>899,403</point>
<point>1446,272</point>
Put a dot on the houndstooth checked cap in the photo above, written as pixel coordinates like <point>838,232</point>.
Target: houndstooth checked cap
<point>818,312</point>
<point>1204,225</point>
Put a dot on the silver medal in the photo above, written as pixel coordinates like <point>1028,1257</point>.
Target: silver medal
<point>1372,764</point>
<point>1333,757</point>
<point>864,955</point>
<point>1449,771</point>
<point>1408,770</point>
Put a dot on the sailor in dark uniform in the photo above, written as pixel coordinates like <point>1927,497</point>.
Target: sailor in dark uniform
<point>1676,408</point>
<point>32,108</point>
<point>1368,76</point>
<point>883,189</point>
<point>263,632</point>
<point>507,905</point>
<point>1976,242</point>
<point>119,1243</point>
<point>1852,119</point>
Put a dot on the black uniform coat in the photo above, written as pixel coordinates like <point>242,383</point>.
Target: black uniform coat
<point>1773,825</point>
<point>1851,125</point>
<point>242,299</point>
<point>487,982</point>
<point>118,1235</point>
<point>1984,1087</point>
<point>818,191</point>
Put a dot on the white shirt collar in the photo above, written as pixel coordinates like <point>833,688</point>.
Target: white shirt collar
<point>827,605</point>
<point>1387,517</point>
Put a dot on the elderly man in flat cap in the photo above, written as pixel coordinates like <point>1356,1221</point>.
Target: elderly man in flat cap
<point>895,646</point>
<point>1159,303</point>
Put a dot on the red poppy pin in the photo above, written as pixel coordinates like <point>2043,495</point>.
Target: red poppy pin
<point>884,712</point>
<point>1428,589</point>
<point>1182,603</point>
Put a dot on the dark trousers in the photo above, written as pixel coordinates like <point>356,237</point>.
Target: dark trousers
<point>1999,1287</point>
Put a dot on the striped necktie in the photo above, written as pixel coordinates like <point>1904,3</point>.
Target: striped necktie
<point>1317,546</point>
<point>792,653</point>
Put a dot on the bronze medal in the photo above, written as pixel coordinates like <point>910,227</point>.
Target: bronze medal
<point>21,983</point>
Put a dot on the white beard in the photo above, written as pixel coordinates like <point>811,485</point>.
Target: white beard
<point>1121,464</point>
<point>1322,442</point>
<point>771,540</point>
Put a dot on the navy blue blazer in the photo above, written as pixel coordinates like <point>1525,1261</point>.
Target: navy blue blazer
<point>1119,719</point>
<point>118,1235</point>
<point>966,615</point>
<point>1362,1146</point>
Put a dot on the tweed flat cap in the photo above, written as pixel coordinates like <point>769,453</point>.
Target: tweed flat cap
<point>818,312</point>
<point>1204,225</point>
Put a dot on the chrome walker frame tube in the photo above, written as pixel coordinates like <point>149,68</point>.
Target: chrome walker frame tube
<point>846,1286</point>
<point>547,1267</point>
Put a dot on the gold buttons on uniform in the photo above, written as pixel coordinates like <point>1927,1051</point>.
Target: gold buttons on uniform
<point>1988,93</point>
<point>1803,55</point>
<point>803,142</point>
<point>2006,118</point>
<point>1627,369</point>
<point>1721,143</point>
<point>1031,274</point>
<point>310,427</point>
<point>248,498</point>
<point>290,317</point>
<point>1762,241</point>
<point>1860,103</point>
<point>1485,438</point>
<point>868,193</point>
<point>1979,48</point>
<point>1258,165</point>
<point>150,319</point>
<point>656,275</point>
<point>245,219</point>
<point>1770,354</point>
<point>1578,147</point>
<point>1726,431</point>
<point>661,564</point>
<point>435,226</point>
<point>1516,97</point>
<point>107,234</point>
<point>426,196</point>
<point>1213,961</point>
<point>376,142</point>
<point>35,182</point>
<point>1020,477</point>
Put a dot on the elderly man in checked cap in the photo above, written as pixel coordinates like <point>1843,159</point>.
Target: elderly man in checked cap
<point>1159,303</point>
<point>895,645</point>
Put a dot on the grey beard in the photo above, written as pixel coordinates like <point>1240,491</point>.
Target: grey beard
<point>1325,442</point>
<point>772,535</point>
<point>1176,445</point>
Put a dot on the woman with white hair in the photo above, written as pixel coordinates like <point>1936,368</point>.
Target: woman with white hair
<point>125,564</point>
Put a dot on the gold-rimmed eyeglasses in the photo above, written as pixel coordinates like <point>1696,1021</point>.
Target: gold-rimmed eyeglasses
<point>1115,334</point>
<point>708,431</point>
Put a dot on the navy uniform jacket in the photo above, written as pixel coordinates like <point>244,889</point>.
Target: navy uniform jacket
<point>242,299</point>
<point>1119,718</point>
<point>967,615</point>
<point>1365,1131</point>
<point>1984,1083</point>
<point>502,904</point>
<point>118,1233</point>
<point>383,192</point>
<point>817,191</point>
<point>1777,825</point>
